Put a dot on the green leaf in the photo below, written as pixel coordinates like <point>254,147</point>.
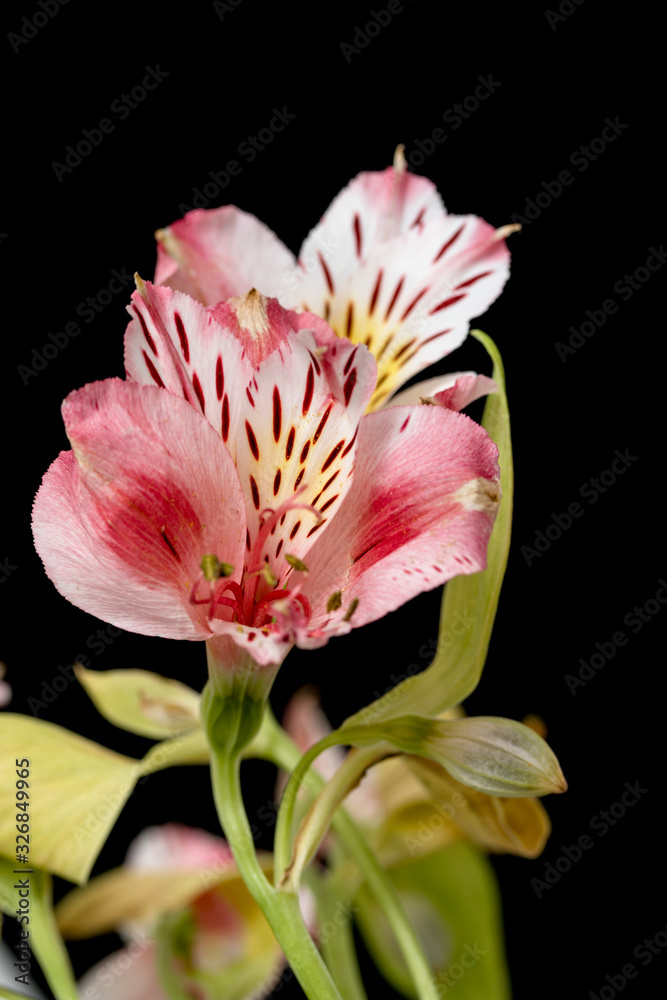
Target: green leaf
<point>77,789</point>
<point>142,702</point>
<point>452,898</point>
<point>43,936</point>
<point>470,602</point>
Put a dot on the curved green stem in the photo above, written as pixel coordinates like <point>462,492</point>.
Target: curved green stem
<point>320,816</point>
<point>279,748</point>
<point>301,777</point>
<point>336,937</point>
<point>280,909</point>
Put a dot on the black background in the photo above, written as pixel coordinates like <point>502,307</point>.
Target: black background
<point>558,82</point>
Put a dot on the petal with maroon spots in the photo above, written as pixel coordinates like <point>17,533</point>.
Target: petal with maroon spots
<point>409,298</point>
<point>299,418</point>
<point>216,253</point>
<point>455,391</point>
<point>420,511</point>
<point>173,341</point>
<point>122,521</point>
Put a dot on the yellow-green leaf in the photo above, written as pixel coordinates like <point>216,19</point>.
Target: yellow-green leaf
<point>76,789</point>
<point>470,602</point>
<point>453,902</point>
<point>142,702</point>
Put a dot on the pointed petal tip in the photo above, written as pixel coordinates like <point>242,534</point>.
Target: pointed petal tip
<point>140,284</point>
<point>251,311</point>
<point>400,165</point>
<point>504,231</point>
<point>560,785</point>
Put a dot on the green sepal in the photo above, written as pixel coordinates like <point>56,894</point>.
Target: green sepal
<point>142,702</point>
<point>231,721</point>
<point>470,602</point>
<point>453,900</point>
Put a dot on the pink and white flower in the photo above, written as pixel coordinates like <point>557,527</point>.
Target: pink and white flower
<point>188,876</point>
<point>386,266</point>
<point>233,491</point>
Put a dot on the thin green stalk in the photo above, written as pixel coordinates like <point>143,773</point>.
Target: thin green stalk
<point>279,748</point>
<point>282,910</point>
<point>336,936</point>
<point>320,815</point>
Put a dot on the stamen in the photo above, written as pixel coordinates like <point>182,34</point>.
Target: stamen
<point>296,563</point>
<point>213,569</point>
<point>274,516</point>
<point>350,611</point>
<point>334,601</point>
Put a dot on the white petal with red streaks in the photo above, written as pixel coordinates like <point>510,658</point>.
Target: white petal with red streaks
<point>266,645</point>
<point>122,521</point>
<point>404,280</point>
<point>212,254</point>
<point>298,423</point>
<point>175,342</point>
<point>420,511</point>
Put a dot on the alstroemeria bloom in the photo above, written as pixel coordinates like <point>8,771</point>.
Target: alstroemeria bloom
<point>180,886</point>
<point>386,267</point>
<point>233,490</point>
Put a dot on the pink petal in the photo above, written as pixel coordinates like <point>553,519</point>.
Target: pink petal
<point>127,974</point>
<point>465,390</point>
<point>388,267</point>
<point>123,520</point>
<point>216,253</point>
<point>173,846</point>
<point>284,392</point>
<point>455,391</point>
<point>420,511</point>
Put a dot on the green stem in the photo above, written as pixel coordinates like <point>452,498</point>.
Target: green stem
<point>281,910</point>
<point>47,943</point>
<point>301,777</point>
<point>320,816</point>
<point>337,938</point>
<point>280,749</point>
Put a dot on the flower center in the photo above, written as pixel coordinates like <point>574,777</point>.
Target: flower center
<point>251,602</point>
